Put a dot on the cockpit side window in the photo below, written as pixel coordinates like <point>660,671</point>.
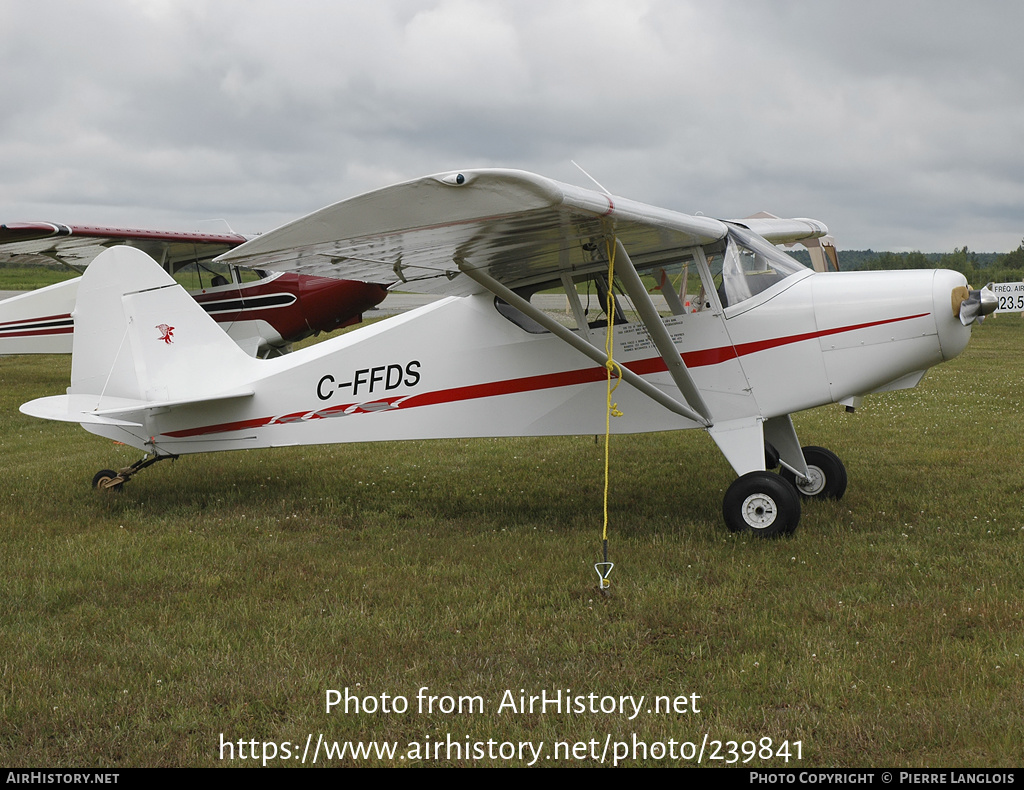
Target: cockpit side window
<point>571,304</point>
<point>196,275</point>
<point>678,282</point>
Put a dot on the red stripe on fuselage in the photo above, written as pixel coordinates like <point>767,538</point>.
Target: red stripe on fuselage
<point>743,349</point>
<point>643,367</point>
<point>67,330</point>
<point>41,318</point>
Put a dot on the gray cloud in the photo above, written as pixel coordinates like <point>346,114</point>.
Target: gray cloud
<point>898,124</point>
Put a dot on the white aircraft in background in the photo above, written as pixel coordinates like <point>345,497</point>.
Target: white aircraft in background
<point>264,315</point>
<point>763,336</point>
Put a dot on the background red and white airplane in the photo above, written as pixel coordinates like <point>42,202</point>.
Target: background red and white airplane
<point>263,313</point>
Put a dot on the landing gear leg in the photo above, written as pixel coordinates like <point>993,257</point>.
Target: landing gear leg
<point>109,480</point>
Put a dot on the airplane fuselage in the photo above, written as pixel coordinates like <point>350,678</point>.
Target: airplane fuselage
<point>459,368</point>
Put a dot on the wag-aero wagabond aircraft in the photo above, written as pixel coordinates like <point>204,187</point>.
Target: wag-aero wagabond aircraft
<point>262,314</point>
<point>741,336</point>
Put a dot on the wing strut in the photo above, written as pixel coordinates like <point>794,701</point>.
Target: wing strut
<point>659,334</point>
<point>596,354</point>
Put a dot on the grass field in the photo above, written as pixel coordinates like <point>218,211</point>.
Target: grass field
<point>27,278</point>
<point>219,598</point>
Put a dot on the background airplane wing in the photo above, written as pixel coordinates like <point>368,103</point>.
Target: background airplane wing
<point>77,245</point>
<point>813,235</point>
<point>518,227</point>
<point>778,230</point>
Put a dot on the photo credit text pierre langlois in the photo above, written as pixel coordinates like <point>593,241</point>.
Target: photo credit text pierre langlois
<point>601,748</point>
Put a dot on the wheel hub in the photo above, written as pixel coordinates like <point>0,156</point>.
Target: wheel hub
<point>759,511</point>
<point>814,483</point>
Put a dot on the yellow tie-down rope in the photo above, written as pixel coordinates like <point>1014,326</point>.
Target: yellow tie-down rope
<point>614,372</point>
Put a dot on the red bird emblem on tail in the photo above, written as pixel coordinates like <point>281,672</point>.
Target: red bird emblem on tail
<point>166,332</point>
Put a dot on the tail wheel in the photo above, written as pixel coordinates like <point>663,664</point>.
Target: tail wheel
<point>104,479</point>
<point>827,475</point>
<point>762,503</point>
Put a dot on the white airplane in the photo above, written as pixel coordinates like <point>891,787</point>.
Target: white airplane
<point>748,337</point>
<point>264,315</point>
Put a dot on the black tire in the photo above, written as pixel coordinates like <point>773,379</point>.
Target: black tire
<point>771,456</point>
<point>102,477</point>
<point>763,503</point>
<point>828,475</point>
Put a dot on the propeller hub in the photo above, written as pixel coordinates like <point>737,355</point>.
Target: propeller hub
<point>970,305</point>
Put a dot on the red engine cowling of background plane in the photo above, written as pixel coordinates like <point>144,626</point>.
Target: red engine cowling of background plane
<point>296,306</point>
<point>327,304</point>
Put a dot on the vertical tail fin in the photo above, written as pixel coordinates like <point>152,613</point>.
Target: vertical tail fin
<point>140,336</point>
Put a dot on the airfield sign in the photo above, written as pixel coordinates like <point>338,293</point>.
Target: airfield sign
<point>1011,297</point>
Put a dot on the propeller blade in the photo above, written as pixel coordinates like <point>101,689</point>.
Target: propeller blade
<point>977,305</point>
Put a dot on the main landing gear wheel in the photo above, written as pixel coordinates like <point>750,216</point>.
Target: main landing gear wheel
<point>107,480</point>
<point>762,503</point>
<point>827,478</point>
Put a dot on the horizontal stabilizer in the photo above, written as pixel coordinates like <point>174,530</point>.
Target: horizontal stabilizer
<point>77,408</point>
<point>92,410</point>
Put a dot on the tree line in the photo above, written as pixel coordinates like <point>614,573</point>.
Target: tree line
<point>978,267</point>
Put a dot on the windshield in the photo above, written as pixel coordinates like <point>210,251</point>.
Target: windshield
<point>748,266</point>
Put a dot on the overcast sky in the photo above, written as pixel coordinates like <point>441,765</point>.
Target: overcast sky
<point>898,124</point>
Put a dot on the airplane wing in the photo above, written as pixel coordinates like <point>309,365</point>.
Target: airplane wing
<point>77,245</point>
<point>496,230</point>
<point>515,227</point>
